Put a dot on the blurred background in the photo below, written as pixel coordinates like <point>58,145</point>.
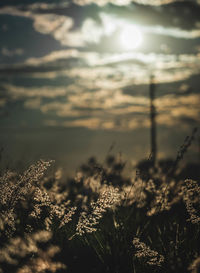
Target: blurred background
<point>75,79</point>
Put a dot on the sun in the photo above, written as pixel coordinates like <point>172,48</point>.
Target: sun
<point>130,37</point>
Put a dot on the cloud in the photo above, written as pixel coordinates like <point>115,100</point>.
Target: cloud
<point>107,109</point>
<point>46,6</point>
<point>9,53</point>
<point>56,25</point>
<point>53,56</point>
<point>127,2</point>
<point>89,78</point>
<point>99,61</point>
<point>172,109</point>
<point>91,123</point>
<point>49,23</point>
<point>75,105</point>
<point>115,23</point>
<point>43,4</point>
<point>173,32</point>
<point>158,2</point>
<point>171,101</point>
<point>62,28</point>
<point>33,103</point>
<point>2,102</point>
<point>91,71</point>
<point>18,92</point>
<point>175,15</point>
<point>102,124</point>
<point>97,103</point>
<point>59,26</point>
<point>103,2</point>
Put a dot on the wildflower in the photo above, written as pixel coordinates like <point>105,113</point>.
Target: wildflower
<point>68,216</point>
<point>134,193</point>
<point>195,266</point>
<point>151,257</point>
<point>18,248</point>
<point>109,197</point>
<point>191,198</point>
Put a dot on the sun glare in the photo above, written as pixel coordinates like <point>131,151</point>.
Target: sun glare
<point>130,37</point>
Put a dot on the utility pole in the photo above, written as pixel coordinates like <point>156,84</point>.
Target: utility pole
<point>153,120</point>
<point>199,150</point>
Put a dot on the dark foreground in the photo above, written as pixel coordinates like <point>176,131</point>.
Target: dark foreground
<point>101,221</point>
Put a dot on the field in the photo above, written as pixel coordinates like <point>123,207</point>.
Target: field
<point>102,220</point>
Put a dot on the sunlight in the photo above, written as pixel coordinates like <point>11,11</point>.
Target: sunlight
<point>130,37</point>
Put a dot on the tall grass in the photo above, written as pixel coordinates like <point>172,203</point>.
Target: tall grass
<point>100,221</point>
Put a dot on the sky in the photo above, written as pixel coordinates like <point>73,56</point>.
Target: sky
<point>74,77</point>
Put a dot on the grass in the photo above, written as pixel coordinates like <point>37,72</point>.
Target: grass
<point>101,221</point>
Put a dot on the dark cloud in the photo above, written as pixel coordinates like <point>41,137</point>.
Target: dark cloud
<point>78,13</point>
<point>183,14</point>
<point>179,14</point>
<point>21,35</point>
<point>59,65</point>
<point>174,27</point>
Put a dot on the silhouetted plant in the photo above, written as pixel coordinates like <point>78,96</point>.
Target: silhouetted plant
<point>100,221</point>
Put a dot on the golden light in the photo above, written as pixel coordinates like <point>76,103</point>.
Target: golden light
<point>130,37</point>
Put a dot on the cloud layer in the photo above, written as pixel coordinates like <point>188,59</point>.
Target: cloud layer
<point>85,78</point>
